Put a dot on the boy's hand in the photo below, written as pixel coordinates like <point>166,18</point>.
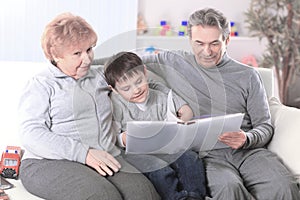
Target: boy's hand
<point>124,138</point>
<point>185,113</point>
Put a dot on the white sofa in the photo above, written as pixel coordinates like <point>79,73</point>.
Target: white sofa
<point>15,74</point>
<point>286,138</point>
<point>14,77</point>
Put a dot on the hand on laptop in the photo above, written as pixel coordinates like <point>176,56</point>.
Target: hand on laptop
<point>234,139</point>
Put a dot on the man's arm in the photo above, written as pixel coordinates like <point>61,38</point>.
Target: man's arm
<point>257,116</point>
<point>259,113</point>
<point>100,61</point>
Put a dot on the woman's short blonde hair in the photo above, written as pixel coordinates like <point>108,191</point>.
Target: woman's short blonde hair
<point>66,30</point>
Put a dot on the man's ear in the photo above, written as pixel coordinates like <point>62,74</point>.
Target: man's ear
<point>113,89</point>
<point>227,40</point>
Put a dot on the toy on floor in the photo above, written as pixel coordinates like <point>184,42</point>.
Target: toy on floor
<point>10,162</point>
<point>3,195</point>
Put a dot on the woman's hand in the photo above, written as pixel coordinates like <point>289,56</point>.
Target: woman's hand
<point>234,139</point>
<point>102,161</point>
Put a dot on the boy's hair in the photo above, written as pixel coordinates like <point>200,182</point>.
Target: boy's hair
<point>122,66</point>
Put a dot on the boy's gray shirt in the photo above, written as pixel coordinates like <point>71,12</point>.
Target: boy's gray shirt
<point>230,87</point>
<point>155,109</point>
<point>61,118</point>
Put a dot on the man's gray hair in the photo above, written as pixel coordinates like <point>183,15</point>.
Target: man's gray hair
<point>209,17</point>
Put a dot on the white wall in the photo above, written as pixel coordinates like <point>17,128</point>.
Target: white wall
<point>20,72</point>
<point>22,22</point>
<point>21,26</point>
<point>175,11</point>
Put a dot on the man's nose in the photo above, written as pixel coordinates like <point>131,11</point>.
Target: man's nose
<point>207,50</point>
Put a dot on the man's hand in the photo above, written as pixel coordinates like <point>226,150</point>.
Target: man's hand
<point>102,161</point>
<point>234,139</point>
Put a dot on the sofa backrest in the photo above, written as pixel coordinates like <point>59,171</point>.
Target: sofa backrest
<point>16,74</point>
<point>14,78</point>
<point>268,80</point>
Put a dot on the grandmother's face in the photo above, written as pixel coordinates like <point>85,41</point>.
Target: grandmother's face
<point>76,60</point>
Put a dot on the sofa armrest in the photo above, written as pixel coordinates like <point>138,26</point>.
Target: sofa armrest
<point>286,139</point>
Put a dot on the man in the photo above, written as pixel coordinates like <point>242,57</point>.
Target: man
<point>213,83</point>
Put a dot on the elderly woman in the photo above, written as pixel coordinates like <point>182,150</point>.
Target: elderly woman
<point>66,124</point>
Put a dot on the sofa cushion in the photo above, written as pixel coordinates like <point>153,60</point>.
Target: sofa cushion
<point>286,139</point>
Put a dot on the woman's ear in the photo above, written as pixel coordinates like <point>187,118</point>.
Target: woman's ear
<point>56,59</point>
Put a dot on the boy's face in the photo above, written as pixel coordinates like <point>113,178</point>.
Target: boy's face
<point>133,89</point>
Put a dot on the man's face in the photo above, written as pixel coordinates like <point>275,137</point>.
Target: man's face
<point>208,45</point>
<point>134,89</point>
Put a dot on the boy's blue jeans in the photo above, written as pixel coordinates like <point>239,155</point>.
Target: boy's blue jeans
<point>176,176</point>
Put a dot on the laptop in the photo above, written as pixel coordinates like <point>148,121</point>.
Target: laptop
<point>169,137</point>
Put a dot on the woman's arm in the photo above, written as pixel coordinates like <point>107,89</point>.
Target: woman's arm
<point>36,122</point>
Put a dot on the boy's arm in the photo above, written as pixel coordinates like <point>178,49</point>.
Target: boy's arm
<point>123,138</point>
<point>119,133</point>
<point>184,111</point>
<point>160,86</point>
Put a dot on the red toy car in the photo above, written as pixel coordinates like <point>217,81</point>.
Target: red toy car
<point>3,195</point>
<point>10,162</point>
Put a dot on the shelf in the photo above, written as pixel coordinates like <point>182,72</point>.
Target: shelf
<point>158,37</point>
<point>175,36</point>
<point>163,42</point>
<point>238,47</point>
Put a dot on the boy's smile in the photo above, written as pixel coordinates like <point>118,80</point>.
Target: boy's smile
<point>134,88</point>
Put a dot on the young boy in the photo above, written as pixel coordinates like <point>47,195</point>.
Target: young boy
<point>132,99</point>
